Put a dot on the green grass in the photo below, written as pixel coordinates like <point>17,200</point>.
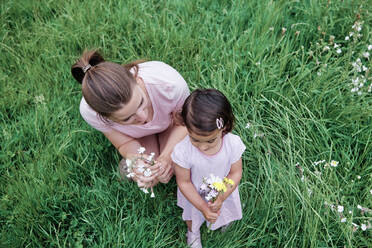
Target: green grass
<point>58,180</point>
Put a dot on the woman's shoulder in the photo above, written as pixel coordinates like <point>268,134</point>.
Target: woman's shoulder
<point>92,117</point>
<point>157,72</point>
<point>164,81</point>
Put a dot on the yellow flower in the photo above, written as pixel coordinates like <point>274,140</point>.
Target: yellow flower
<point>228,181</point>
<point>219,186</point>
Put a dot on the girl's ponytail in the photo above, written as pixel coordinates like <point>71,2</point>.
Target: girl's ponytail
<point>88,60</point>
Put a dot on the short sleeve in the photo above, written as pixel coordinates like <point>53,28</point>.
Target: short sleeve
<point>92,118</point>
<point>183,93</point>
<point>179,155</point>
<point>237,148</point>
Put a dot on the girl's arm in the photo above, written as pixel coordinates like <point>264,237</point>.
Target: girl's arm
<point>188,190</point>
<point>235,174</point>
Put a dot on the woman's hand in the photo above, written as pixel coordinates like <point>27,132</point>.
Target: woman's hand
<point>209,215</point>
<point>216,205</point>
<point>165,172</point>
<point>139,176</point>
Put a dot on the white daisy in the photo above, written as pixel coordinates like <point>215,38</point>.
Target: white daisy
<point>141,150</point>
<point>363,227</point>
<point>147,173</point>
<point>334,163</point>
<point>340,208</point>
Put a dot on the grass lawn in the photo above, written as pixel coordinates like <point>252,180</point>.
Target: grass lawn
<point>298,74</point>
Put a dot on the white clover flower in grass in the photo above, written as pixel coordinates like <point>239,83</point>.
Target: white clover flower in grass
<point>359,177</point>
<point>347,38</point>
<point>271,28</point>
<point>319,162</point>
<point>343,220</point>
<point>370,191</point>
<point>39,99</point>
<point>339,51</point>
<point>366,55</point>
<point>363,227</point>
<point>340,208</point>
<point>359,207</point>
<point>326,48</point>
<point>369,47</point>
<point>350,211</point>
<point>258,135</point>
<point>334,163</point>
<point>248,125</point>
<point>309,191</point>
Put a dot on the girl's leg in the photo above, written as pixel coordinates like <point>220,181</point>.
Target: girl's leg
<point>193,238</point>
<point>189,225</point>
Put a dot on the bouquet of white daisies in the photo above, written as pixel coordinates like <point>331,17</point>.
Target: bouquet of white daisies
<point>133,164</point>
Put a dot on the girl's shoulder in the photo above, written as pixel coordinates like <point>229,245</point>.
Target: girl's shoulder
<point>232,139</point>
<point>183,145</point>
<point>234,146</point>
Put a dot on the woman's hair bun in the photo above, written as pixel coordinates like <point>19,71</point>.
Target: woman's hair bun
<point>88,58</point>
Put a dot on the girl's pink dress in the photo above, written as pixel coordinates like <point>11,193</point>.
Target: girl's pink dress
<point>167,90</point>
<point>189,157</point>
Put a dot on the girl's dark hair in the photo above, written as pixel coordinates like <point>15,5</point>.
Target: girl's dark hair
<point>105,85</point>
<point>202,108</point>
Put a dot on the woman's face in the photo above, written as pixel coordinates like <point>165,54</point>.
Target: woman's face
<point>136,111</point>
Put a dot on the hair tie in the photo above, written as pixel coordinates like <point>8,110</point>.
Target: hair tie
<point>219,123</point>
<point>86,68</point>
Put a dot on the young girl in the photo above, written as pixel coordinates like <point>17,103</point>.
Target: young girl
<point>209,148</point>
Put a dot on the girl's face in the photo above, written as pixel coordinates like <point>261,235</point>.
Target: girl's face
<point>209,144</point>
<point>136,111</point>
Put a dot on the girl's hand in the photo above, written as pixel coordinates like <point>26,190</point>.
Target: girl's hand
<point>209,215</point>
<point>164,164</point>
<point>216,205</point>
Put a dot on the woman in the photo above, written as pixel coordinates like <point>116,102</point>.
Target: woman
<point>133,106</point>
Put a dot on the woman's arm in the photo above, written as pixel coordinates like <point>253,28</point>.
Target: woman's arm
<point>189,191</point>
<point>235,174</point>
<point>128,148</point>
<point>175,135</point>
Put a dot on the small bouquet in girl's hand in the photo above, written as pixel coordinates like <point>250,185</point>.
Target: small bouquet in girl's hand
<point>213,186</point>
<point>133,164</point>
